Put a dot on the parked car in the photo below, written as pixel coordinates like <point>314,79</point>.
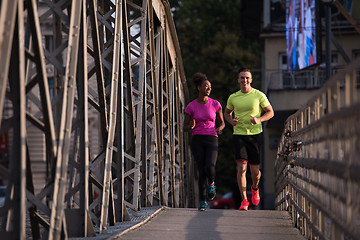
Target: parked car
<point>225,202</point>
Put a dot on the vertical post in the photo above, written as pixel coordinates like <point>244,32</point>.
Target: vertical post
<point>7,24</point>
<point>82,83</point>
<point>327,40</point>
<point>266,13</point>
<point>15,222</point>
<point>143,166</point>
<point>107,207</point>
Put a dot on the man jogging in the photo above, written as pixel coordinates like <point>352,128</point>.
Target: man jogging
<point>247,104</point>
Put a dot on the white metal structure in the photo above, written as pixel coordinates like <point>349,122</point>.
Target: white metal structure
<point>119,60</point>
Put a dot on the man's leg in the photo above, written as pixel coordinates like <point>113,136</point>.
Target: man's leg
<point>241,178</point>
<point>255,175</point>
<point>241,156</point>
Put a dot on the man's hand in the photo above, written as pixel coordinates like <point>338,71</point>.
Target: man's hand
<point>255,120</point>
<point>234,121</point>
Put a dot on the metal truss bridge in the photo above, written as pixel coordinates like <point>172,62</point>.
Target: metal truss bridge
<point>103,83</point>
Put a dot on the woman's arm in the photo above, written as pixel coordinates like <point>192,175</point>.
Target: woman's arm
<point>189,122</point>
<point>220,118</point>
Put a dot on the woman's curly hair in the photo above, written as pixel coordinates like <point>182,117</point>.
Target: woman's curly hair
<point>198,78</point>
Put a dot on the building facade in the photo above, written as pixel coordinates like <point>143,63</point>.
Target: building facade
<point>289,90</point>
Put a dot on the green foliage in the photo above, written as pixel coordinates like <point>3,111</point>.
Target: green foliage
<point>212,42</point>
<point>223,59</point>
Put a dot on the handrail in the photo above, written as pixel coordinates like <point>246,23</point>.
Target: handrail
<point>303,79</point>
<point>317,167</point>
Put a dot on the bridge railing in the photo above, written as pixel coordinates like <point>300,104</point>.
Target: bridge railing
<point>318,164</point>
<point>101,83</point>
<point>300,79</point>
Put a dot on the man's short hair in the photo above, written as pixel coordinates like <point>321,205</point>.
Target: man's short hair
<point>244,70</point>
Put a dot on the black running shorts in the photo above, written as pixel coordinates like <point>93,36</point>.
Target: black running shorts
<point>247,148</point>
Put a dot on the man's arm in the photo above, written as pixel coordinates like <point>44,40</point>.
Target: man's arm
<point>228,117</point>
<point>269,113</point>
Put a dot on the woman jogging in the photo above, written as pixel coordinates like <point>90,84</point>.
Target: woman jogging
<point>200,117</point>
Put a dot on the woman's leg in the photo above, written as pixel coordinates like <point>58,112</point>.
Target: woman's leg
<point>211,152</point>
<point>198,152</point>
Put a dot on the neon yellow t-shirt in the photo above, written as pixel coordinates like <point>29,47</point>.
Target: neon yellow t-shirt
<point>244,106</point>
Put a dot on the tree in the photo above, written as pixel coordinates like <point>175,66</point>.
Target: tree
<point>212,41</point>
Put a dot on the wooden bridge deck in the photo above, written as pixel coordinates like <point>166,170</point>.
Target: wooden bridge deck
<point>191,224</point>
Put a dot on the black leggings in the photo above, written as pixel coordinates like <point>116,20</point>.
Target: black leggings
<point>205,151</point>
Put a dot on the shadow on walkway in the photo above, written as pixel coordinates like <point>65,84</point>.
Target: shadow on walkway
<point>190,224</point>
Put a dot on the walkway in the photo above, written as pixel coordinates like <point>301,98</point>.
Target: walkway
<point>190,224</point>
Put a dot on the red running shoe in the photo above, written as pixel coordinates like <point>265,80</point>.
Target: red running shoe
<point>244,205</point>
<point>255,199</point>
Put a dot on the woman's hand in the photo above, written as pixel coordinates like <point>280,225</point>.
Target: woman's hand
<point>192,124</point>
<point>189,123</point>
<point>219,130</point>
<point>220,118</point>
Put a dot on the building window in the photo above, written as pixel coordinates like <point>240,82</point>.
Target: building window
<point>334,59</point>
<point>277,11</point>
<point>355,54</point>
<point>283,61</point>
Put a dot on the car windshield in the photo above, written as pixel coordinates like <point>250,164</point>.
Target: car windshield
<point>2,191</point>
<point>227,195</point>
